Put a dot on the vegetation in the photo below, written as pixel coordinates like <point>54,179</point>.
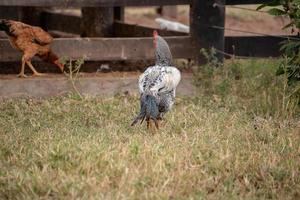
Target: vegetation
<point>238,140</point>
<point>291,48</point>
<point>73,71</point>
<point>250,84</point>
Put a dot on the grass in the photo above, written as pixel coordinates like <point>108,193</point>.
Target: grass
<point>224,144</point>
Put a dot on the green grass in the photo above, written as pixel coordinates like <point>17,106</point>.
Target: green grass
<point>224,144</point>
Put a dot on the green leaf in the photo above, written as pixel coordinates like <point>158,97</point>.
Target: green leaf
<point>276,3</point>
<point>273,3</point>
<point>261,6</point>
<point>290,47</point>
<point>280,71</point>
<point>297,2</point>
<point>276,12</point>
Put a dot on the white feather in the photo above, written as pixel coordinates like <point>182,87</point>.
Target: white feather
<point>169,79</point>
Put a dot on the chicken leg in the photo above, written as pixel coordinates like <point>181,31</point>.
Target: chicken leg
<point>21,74</point>
<point>35,73</point>
<point>161,123</point>
<point>152,127</point>
<point>26,59</point>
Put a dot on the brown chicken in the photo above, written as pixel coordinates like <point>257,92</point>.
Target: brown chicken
<point>30,40</point>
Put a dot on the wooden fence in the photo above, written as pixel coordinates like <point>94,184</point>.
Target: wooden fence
<point>133,41</point>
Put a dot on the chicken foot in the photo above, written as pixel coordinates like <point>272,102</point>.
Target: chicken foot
<point>152,127</point>
<point>35,73</point>
<point>21,74</point>
<point>28,62</point>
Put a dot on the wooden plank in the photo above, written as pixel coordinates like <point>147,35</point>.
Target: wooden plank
<point>94,3</point>
<point>254,46</point>
<point>97,3</point>
<point>141,48</point>
<point>69,23</point>
<point>202,17</point>
<point>92,84</point>
<point>91,3</point>
<point>11,12</point>
<point>95,49</point>
<point>61,22</point>
<point>123,29</point>
<point>119,13</point>
<point>245,2</point>
<point>97,21</point>
<point>32,15</point>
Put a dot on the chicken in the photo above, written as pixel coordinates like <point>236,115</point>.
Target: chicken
<point>157,85</point>
<point>31,41</point>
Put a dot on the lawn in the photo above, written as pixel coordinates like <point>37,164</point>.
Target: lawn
<point>238,139</point>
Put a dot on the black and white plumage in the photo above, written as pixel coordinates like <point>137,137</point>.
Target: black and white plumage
<point>157,85</point>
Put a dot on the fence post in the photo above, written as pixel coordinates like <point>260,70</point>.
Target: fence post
<point>32,16</point>
<point>28,15</point>
<point>119,13</point>
<point>11,12</point>
<point>203,16</point>
<point>97,22</point>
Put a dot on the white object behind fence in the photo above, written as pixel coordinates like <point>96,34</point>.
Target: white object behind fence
<point>172,26</point>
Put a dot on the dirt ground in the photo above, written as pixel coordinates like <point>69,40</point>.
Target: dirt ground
<point>92,84</point>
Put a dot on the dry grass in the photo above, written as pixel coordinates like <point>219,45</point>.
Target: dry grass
<point>209,148</point>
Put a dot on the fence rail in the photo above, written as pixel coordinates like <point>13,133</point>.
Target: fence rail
<point>204,15</point>
<point>93,49</point>
<point>95,3</point>
<point>92,3</point>
<point>245,2</point>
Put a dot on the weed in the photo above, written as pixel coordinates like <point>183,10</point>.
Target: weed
<point>249,85</point>
<point>74,69</point>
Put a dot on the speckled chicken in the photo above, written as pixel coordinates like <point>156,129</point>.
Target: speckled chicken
<point>157,85</point>
<point>31,41</point>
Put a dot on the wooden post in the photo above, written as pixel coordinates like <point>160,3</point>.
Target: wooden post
<point>64,22</point>
<point>28,15</point>
<point>32,16</point>
<point>204,17</point>
<point>10,12</point>
<point>97,22</point>
<point>119,13</point>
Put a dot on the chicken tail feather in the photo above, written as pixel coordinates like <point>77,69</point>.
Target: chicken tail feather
<point>5,26</point>
<point>149,110</point>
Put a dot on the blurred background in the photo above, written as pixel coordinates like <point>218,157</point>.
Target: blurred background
<point>241,20</point>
